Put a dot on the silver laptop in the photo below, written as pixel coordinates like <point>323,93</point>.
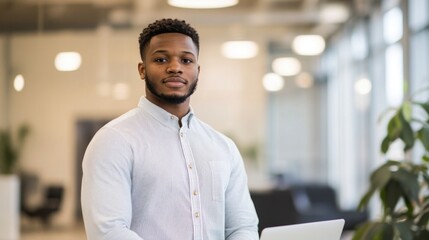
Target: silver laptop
<point>323,230</point>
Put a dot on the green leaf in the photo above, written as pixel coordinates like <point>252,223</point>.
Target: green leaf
<point>361,231</point>
<point>378,178</point>
<point>423,218</point>
<point>423,136</point>
<point>409,183</point>
<point>9,152</point>
<point>425,178</point>
<point>394,127</point>
<point>406,111</point>
<point>382,174</point>
<point>406,132</point>
<point>410,207</point>
<point>369,230</point>
<point>423,235</point>
<point>387,231</point>
<point>399,127</point>
<point>404,229</point>
<point>425,158</point>
<point>390,195</point>
<point>385,144</point>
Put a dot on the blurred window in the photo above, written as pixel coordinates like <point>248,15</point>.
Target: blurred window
<point>359,41</point>
<point>419,14</point>
<point>419,58</point>
<point>394,75</point>
<point>392,25</point>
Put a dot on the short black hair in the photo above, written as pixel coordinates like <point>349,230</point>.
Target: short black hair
<point>166,25</point>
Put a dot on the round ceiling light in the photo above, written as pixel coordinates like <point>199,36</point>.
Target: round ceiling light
<point>333,13</point>
<point>286,66</point>
<point>239,49</point>
<point>272,82</point>
<point>202,3</point>
<point>68,61</point>
<point>308,45</point>
<point>18,83</point>
<point>363,86</point>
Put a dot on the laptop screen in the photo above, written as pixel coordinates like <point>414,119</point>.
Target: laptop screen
<point>323,230</point>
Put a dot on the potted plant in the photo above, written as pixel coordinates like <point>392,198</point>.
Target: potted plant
<point>401,185</point>
<point>9,182</point>
<point>10,152</point>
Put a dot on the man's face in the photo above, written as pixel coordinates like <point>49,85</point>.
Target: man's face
<point>170,68</point>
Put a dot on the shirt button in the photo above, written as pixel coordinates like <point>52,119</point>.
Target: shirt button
<point>195,193</point>
<point>181,134</point>
<point>190,166</point>
<point>171,117</point>
<point>197,214</point>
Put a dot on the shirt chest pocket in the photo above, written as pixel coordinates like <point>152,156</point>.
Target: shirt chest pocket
<point>220,173</point>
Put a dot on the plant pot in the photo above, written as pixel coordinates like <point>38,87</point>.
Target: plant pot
<point>9,207</point>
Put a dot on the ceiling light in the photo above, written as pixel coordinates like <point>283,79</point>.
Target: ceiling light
<point>287,66</point>
<point>68,61</point>
<point>363,86</point>
<point>202,3</point>
<point>240,49</point>
<point>272,82</point>
<point>309,45</point>
<point>333,13</point>
<point>18,83</point>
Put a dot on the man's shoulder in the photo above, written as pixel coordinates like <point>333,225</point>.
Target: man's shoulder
<point>123,120</point>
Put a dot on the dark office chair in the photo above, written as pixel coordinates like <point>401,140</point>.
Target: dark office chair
<point>51,204</point>
<point>274,207</point>
<point>301,203</point>
<point>317,202</point>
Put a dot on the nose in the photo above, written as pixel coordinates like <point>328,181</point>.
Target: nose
<point>174,67</point>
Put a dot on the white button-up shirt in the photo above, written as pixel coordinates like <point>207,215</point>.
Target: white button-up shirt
<point>145,177</point>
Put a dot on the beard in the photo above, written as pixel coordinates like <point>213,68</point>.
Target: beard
<point>174,99</point>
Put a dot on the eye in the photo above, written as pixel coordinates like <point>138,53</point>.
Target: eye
<point>160,60</point>
<point>187,60</point>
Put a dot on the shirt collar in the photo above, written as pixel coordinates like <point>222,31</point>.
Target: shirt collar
<point>163,116</point>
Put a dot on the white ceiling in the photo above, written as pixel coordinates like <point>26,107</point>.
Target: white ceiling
<point>27,15</point>
<point>296,16</point>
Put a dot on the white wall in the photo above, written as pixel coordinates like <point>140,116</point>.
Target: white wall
<point>229,95</point>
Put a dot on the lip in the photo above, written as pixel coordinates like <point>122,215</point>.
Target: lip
<point>174,82</point>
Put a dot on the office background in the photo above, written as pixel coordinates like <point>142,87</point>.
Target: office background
<point>327,131</point>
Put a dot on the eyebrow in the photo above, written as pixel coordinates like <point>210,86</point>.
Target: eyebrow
<point>165,51</point>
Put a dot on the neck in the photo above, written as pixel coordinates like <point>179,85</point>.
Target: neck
<point>177,109</point>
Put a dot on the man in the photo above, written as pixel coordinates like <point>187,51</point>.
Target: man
<point>159,173</point>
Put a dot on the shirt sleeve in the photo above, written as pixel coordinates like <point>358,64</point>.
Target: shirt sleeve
<point>106,187</point>
<point>241,221</point>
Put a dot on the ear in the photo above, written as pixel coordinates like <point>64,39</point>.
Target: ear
<point>142,69</point>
